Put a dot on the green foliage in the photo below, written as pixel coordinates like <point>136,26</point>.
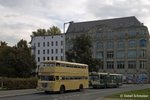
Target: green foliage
<point>81,52</point>
<point>16,61</point>
<point>39,32</point>
<point>54,30</point>
<point>2,44</point>
<point>19,83</point>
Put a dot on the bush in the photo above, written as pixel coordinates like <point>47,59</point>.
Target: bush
<point>19,83</point>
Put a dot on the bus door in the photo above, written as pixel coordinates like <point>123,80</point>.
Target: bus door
<point>102,79</point>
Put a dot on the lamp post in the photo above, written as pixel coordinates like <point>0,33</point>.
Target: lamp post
<point>65,24</point>
<point>65,36</point>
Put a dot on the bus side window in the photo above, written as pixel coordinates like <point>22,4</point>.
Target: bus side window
<point>60,78</point>
<point>57,77</point>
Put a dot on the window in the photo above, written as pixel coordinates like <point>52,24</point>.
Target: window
<point>110,45</point>
<point>47,78</point>
<point>56,43</point>
<point>121,44</point>
<point>56,50</point>
<point>99,34</point>
<point>142,64</point>
<point>43,51</point>
<point>142,43</point>
<point>132,54</point>
<point>61,50</point>
<point>132,43</point>
<point>121,35</point>
<point>51,51</point>
<point>99,45</point>
<point>120,64</point>
<point>38,51</point>
<point>48,44</point>
<point>47,58</point>
<point>143,32</point>
<point>38,44</point>
<point>61,43</point>
<point>43,44</point>
<point>131,64</point>
<point>52,58</point>
<point>56,58</point>
<point>120,54</point>
<point>110,65</point>
<point>38,59</point>
<point>110,35</point>
<point>61,57</point>
<point>110,54</point>
<point>132,33</point>
<point>47,51</point>
<point>43,58</point>
<point>52,43</point>
<point>99,55</point>
<point>142,53</point>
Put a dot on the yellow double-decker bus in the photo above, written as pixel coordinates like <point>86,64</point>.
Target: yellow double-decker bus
<point>62,76</point>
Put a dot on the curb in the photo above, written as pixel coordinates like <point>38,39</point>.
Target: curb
<point>13,95</point>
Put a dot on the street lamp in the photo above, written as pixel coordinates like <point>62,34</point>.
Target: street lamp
<point>65,24</point>
<point>65,36</point>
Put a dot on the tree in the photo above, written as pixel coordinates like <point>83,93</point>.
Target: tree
<point>7,61</point>
<point>81,52</point>
<point>54,30</point>
<point>22,44</point>
<point>2,44</point>
<point>39,32</point>
<point>16,61</point>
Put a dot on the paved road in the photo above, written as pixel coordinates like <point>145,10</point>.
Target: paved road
<point>88,94</point>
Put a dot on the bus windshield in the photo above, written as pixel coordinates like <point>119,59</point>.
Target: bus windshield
<point>94,77</point>
<point>47,78</point>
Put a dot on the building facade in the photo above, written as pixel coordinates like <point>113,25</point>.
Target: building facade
<point>122,44</point>
<point>47,48</point>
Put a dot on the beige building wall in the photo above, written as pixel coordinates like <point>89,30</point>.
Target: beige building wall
<point>104,34</point>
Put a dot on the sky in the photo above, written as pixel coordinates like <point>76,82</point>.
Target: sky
<point>19,18</point>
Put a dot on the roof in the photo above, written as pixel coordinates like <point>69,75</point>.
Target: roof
<point>64,62</point>
<point>98,73</point>
<point>111,23</point>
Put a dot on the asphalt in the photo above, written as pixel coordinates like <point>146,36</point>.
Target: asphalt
<point>11,93</point>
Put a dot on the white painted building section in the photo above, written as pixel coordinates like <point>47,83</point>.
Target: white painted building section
<point>48,48</point>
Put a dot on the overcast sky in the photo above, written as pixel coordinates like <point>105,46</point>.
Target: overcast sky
<point>18,18</point>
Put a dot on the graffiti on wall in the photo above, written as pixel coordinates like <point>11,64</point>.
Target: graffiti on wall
<point>132,78</point>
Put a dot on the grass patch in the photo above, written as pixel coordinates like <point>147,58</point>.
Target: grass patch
<point>143,94</point>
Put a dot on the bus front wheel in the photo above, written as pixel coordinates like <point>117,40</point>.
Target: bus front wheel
<point>62,89</point>
<point>81,87</point>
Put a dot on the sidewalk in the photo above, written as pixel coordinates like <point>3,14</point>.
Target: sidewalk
<point>10,93</point>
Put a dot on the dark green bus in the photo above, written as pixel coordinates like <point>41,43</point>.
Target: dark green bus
<point>104,80</point>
